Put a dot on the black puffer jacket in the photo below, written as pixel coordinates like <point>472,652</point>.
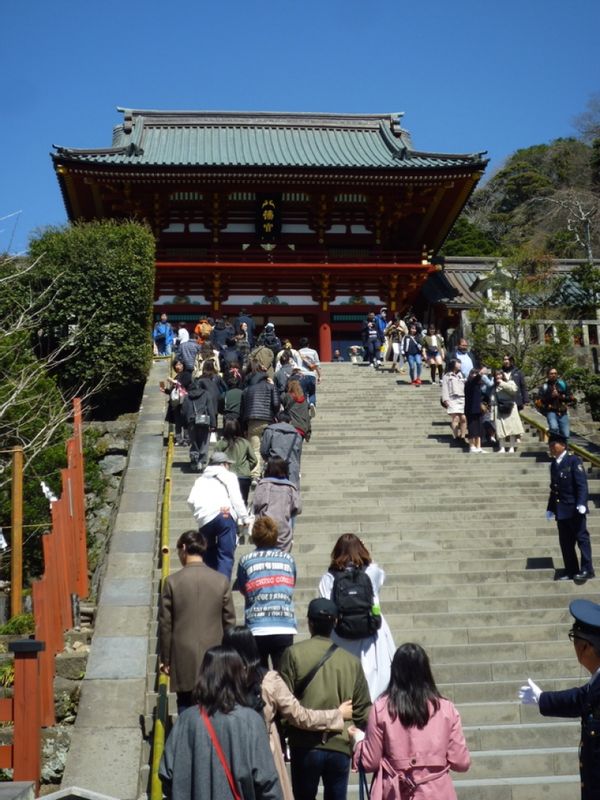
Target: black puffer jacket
<point>260,399</point>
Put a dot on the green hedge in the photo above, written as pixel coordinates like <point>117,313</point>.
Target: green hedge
<point>103,275</point>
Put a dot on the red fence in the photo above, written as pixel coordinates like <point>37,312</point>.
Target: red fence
<point>23,710</point>
<point>65,574</point>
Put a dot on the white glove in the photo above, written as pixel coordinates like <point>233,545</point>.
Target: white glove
<point>582,509</point>
<point>248,523</point>
<point>550,515</point>
<point>355,737</point>
<point>529,694</point>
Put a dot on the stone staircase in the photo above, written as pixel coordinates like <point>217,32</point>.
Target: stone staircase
<point>453,532</point>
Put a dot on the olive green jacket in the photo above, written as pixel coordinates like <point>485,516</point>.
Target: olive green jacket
<point>340,678</point>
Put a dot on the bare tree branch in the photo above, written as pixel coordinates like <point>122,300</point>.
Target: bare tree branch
<point>25,419</point>
<point>580,211</point>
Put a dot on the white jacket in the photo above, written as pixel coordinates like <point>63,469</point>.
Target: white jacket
<point>217,488</point>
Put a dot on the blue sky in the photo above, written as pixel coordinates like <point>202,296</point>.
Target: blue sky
<point>469,75</point>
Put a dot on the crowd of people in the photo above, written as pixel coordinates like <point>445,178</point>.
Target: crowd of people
<point>347,697</point>
<point>249,697</point>
<point>484,405</point>
<point>225,676</point>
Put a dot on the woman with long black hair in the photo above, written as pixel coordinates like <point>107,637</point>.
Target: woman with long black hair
<point>414,735</point>
<point>268,693</point>
<point>475,406</point>
<point>219,748</point>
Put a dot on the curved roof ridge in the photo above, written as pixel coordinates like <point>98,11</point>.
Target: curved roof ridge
<point>265,139</point>
<point>254,118</point>
<point>429,154</point>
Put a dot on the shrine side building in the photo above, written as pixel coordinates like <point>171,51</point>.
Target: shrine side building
<point>306,220</point>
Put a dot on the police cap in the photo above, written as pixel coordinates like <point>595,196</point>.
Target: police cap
<point>557,437</point>
<point>587,617</point>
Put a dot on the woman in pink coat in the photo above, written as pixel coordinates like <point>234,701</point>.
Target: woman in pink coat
<point>414,736</point>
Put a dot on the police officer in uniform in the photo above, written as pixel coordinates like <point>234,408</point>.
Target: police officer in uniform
<point>581,701</point>
<point>567,504</point>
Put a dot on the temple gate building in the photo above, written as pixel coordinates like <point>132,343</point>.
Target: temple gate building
<point>306,220</point>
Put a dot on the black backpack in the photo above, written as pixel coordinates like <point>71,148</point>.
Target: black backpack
<point>353,595</point>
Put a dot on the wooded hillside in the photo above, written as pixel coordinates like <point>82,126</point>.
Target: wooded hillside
<point>546,196</point>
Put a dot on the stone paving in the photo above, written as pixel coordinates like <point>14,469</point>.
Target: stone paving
<point>107,743</point>
<point>457,581</point>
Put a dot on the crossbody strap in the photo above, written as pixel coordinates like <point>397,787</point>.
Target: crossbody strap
<point>289,453</point>
<point>222,482</point>
<point>364,790</point>
<point>220,754</point>
<point>302,686</point>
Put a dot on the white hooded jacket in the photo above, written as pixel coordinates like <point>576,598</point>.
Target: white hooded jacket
<point>217,488</point>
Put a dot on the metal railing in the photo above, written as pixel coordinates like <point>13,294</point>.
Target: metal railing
<point>162,701</point>
<point>539,423</point>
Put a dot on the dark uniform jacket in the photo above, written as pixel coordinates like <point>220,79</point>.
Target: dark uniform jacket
<point>568,487</point>
<point>584,702</point>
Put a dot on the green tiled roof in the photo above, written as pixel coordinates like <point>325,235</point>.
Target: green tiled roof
<point>230,139</point>
<point>463,281</point>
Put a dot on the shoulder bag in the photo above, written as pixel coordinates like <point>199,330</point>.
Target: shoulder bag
<point>221,755</point>
<point>302,685</point>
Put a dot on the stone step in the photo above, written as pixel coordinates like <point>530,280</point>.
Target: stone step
<point>533,734</point>
<point>444,567</point>
<point>456,578</point>
<point>498,691</point>
<point>401,581</point>
<point>523,763</point>
<point>542,787</point>
<point>515,670</point>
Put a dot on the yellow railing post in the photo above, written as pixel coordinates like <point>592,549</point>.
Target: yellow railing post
<point>162,703</point>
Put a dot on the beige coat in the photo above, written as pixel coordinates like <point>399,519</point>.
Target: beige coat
<point>510,425</point>
<point>195,608</point>
<point>279,701</point>
<point>453,392</point>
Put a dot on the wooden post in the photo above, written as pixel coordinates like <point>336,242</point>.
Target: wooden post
<point>324,321</point>
<point>16,538</point>
<point>43,607</point>
<point>26,710</point>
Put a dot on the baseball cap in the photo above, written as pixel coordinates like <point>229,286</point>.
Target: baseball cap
<point>322,607</point>
<point>221,458</point>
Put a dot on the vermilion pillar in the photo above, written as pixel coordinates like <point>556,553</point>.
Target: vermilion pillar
<point>324,321</point>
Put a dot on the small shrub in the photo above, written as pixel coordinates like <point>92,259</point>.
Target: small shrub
<point>19,624</point>
<point>7,674</point>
